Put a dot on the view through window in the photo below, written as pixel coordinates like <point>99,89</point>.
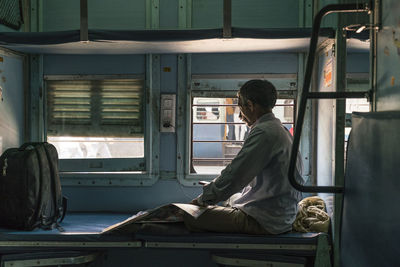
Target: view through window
<point>96,118</point>
<point>218,133</point>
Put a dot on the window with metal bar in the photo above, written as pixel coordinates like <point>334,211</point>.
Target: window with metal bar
<point>218,133</point>
<point>96,118</point>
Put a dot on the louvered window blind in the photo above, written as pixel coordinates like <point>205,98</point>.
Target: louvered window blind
<point>95,108</point>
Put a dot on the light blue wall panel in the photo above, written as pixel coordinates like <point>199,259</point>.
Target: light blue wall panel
<point>207,14</point>
<point>244,63</point>
<point>388,69</point>
<point>169,74</point>
<point>93,64</point>
<point>117,14</point>
<point>61,15</point>
<point>265,14</point>
<point>168,86</point>
<point>12,104</point>
<point>168,14</point>
<point>357,63</point>
<point>128,199</point>
<point>168,152</point>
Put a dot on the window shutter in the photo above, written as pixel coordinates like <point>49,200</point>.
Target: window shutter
<point>95,108</point>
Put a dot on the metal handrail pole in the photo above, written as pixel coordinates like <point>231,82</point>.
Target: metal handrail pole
<point>336,8</point>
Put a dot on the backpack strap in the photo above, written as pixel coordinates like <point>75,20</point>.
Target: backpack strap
<point>60,202</point>
<point>64,208</point>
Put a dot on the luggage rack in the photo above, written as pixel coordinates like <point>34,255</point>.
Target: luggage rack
<point>305,95</point>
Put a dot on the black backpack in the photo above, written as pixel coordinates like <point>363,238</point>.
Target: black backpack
<point>30,188</point>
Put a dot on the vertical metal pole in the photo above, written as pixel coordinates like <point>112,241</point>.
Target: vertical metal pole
<point>153,73</point>
<point>26,68</point>
<point>340,82</point>
<point>184,22</point>
<point>181,119</point>
<point>35,125</point>
<point>152,141</point>
<point>375,20</point>
<point>227,30</point>
<point>305,20</point>
<point>84,21</point>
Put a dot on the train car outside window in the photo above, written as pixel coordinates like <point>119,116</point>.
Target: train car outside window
<point>218,133</point>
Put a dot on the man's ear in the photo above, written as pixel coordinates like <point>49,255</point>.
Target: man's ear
<point>250,104</point>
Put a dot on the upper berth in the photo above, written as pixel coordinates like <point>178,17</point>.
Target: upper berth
<point>171,41</point>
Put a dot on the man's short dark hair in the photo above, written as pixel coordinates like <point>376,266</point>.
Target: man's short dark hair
<point>260,92</point>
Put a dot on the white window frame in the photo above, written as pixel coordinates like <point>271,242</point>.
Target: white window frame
<point>114,172</point>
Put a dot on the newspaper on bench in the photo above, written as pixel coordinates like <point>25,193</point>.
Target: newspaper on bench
<point>170,213</point>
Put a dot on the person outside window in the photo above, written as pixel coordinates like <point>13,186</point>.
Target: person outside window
<point>254,188</point>
<point>230,110</point>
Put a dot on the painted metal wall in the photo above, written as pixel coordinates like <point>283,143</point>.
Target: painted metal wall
<point>251,13</point>
<point>123,15</point>
<point>61,15</point>
<point>93,64</point>
<point>12,105</point>
<point>244,63</point>
<point>64,15</point>
<point>388,58</point>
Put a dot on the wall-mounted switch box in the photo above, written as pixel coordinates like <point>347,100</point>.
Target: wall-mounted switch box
<point>167,113</point>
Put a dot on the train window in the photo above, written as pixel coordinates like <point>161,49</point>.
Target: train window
<point>96,119</point>
<point>218,133</point>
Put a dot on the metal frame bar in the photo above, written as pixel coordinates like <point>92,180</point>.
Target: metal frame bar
<point>59,261</point>
<point>152,14</point>
<point>183,76</point>
<point>37,125</point>
<point>227,30</point>
<point>336,8</point>
<point>244,76</point>
<point>76,244</point>
<point>338,95</point>
<point>84,26</point>
<point>233,261</point>
<point>236,246</point>
<point>93,77</point>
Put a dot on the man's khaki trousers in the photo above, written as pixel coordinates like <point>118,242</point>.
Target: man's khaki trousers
<point>224,220</point>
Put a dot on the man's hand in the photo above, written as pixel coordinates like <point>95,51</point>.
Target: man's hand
<point>197,202</point>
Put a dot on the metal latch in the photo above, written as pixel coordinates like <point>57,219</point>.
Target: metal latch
<point>5,167</point>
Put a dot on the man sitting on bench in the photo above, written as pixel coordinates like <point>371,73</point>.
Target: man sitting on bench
<point>259,198</point>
